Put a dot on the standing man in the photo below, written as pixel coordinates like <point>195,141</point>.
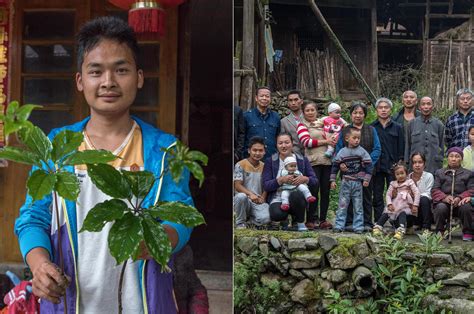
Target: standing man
<point>263,122</point>
<point>409,110</point>
<point>290,122</point>
<point>392,142</point>
<point>457,125</point>
<point>426,135</point>
<point>249,200</point>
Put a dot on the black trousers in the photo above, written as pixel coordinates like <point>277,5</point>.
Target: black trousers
<point>323,173</point>
<point>424,218</point>
<point>367,203</point>
<point>380,180</point>
<point>464,212</point>
<point>297,208</point>
<point>400,221</point>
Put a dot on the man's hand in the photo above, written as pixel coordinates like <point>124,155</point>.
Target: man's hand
<point>391,208</point>
<point>343,167</point>
<point>333,185</point>
<point>49,282</point>
<point>253,198</point>
<point>365,184</point>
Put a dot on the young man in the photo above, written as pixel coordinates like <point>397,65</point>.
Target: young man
<point>249,200</point>
<point>263,122</point>
<point>409,110</point>
<point>289,123</point>
<point>426,135</point>
<point>458,123</point>
<point>392,142</point>
<point>109,78</point>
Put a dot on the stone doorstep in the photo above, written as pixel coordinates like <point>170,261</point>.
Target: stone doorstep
<point>216,280</point>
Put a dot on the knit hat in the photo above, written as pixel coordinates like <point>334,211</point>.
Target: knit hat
<point>455,150</point>
<point>333,107</point>
<point>289,160</point>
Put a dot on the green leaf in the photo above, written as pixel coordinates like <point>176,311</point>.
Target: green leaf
<point>109,180</point>
<point>139,181</point>
<point>197,155</point>
<point>67,185</point>
<point>64,143</point>
<point>100,156</point>
<point>196,170</point>
<point>156,240</point>
<point>176,168</point>
<point>177,212</point>
<point>384,270</point>
<point>403,286</point>
<point>102,213</point>
<point>40,183</point>
<point>409,274</point>
<point>124,237</point>
<point>19,155</point>
<point>23,113</point>
<point>36,141</point>
<point>12,108</point>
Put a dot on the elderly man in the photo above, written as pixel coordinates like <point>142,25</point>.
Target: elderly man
<point>392,141</point>
<point>458,124</point>
<point>409,111</point>
<point>290,122</point>
<point>262,121</point>
<point>426,135</point>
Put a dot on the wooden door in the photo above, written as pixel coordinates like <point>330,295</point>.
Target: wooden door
<point>42,68</point>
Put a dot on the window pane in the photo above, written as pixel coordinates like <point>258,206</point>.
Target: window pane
<point>48,25</point>
<point>55,58</point>
<point>148,95</point>
<point>148,117</point>
<point>149,58</point>
<point>48,120</point>
<point>48,91</point>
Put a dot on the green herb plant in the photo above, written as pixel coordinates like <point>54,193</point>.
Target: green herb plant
<point>132,224</point>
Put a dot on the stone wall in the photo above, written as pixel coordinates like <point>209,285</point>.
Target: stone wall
<point>308,265</point>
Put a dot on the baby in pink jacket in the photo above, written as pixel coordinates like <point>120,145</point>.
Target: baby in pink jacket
<point>333,124</point>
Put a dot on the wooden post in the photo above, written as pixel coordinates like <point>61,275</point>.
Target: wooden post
<point>262,55</point>
<point>375,55</point>
<point>365,87</point>
<point>237,65</point>
<point>426,33</point>
<point>248,46</point>
<point>185,69</point>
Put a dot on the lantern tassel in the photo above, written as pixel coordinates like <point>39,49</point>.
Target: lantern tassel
<point>147,20</point>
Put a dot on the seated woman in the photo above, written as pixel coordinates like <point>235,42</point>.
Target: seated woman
<point>459,198</point>
<point>273,181</point>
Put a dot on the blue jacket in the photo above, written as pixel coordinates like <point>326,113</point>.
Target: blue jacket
<point>35,226</point>
<point>266,126</point>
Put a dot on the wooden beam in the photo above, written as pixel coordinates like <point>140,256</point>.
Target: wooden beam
<point>422,4</point>
<point>345,57</point>
<point>359,4</point>
<point>449,16</point>
<point>400,41</point>
<point>248,46</point>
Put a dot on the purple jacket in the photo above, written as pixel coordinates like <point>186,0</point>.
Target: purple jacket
<point>270,172</point>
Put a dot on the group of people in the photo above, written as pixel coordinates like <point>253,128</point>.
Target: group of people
<point>287,167</point>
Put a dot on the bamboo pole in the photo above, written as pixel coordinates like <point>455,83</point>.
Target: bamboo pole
<point>248,46</point>
<point>469,78</point>
<point>355,72</point>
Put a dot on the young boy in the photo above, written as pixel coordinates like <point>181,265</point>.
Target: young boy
<point>359,169</point>
<point>109,78</point>
<point>249,201</point>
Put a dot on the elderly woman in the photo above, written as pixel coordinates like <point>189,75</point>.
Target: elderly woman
<point>424,181</point>
<point>315,142</point>
<point>272,182</point>
<point>459,198</point>
<point>370,142</point>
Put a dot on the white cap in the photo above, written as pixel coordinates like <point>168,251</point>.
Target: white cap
<point>333,107</point>
<point>289,160</point>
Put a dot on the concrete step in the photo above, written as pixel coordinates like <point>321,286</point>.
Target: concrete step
<point>219,290</point>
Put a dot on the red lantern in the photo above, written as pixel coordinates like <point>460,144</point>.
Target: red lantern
<point>147,16</point>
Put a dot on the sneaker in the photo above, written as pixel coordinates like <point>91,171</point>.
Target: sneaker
<point>367,228</point>
<point>311,199</point>
<point>336,230</point>
<point>467,237</point>
<point>377,230</point>
<point>325,225</point>
<point>285,207</point>
<point>399,233</point>
<point>302,227</point>
<point>358,231</point>
<point>241,226</point>
<point>311,225</point>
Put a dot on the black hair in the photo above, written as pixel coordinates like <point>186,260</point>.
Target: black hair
<point>105,27</point>
<point>256,140</point>
<point>400,164</point>
<point>309,102</point>
<point>358,104</point>
<point>470,128</point>
<point>294,92</point>
<point>262,87</point>
<point>422,156</point>
<point>284,134</point>
<point>351,129</point>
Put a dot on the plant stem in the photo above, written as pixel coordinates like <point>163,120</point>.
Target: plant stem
<point>120,286</point>
<point>61,260</point>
